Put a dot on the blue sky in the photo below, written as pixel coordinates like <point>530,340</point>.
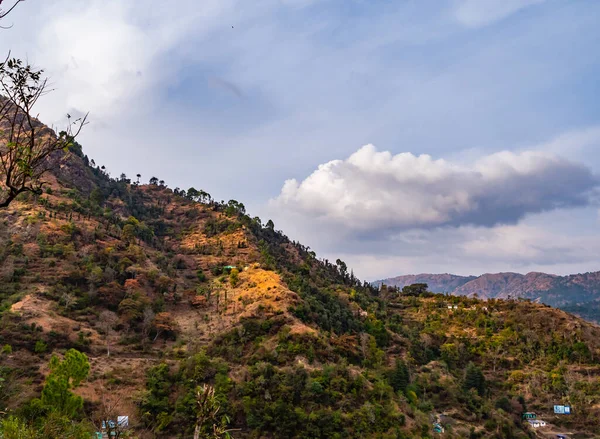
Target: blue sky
<point>238,97</point>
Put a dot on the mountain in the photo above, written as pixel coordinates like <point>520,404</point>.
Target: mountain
<point>439,283</point>
<point>576,293</point>
<point>166,291</point>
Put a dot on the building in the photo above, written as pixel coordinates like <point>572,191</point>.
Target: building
<point>562,409</point>
<point>529,415</point>
<point>536,423</point>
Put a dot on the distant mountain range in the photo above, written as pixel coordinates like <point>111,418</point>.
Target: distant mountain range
<point>576,293</point>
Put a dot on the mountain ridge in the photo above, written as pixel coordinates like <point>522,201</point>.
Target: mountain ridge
<point>565,292</point>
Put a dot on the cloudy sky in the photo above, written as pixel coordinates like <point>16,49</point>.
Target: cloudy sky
<point>403,136</point>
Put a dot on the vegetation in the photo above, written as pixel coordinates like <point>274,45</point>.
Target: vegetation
<point>57,414</point>
<point>202,320</point>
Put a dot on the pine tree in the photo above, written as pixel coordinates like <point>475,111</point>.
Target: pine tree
<point>65,375</point>
<point>474,379</point>
<point>400,377</point>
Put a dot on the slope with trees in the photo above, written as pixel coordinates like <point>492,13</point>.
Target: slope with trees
<point>204,307</point>
<point>577,293</point>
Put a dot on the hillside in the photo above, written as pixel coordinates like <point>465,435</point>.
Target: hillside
<point>578,293</point>
<point>166,290</point>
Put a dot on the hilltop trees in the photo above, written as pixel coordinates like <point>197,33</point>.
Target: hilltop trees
<point>28,149</point>
<point>198,195</point>
<point>415,289</point>
<point>342,267</point>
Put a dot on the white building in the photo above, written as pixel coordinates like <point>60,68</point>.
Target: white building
<point>536,423</point>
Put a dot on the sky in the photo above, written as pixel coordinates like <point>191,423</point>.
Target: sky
<point>403,136</point>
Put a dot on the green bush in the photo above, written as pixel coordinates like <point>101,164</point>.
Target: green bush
<point>234,277</point>
<point>40,347</point>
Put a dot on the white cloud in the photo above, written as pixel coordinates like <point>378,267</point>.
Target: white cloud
<point>374,192</point>
<point>477,13</point>
<point>102,58</point>
<point>100,55</point>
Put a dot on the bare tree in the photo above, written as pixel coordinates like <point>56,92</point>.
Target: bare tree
<point>107,321</point>
<point>5,12</point>
<point>147,324</point>
<point>68,300</point>
<point>26,147</point>
<point>209,424</point>
<point>106,418</point>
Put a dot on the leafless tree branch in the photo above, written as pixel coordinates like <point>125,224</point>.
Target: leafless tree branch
<point>28,149</point>
<point>8,11</point>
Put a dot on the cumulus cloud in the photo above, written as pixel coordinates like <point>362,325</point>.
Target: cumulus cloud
<point>373,191</point>
<point>477,13</point>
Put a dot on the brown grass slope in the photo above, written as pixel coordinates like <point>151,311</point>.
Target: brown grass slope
<point>45,239</point>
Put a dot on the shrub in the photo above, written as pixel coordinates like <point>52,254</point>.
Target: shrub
<point>40,347</point>
<point>234,277</point>
<point>504,404</point>
<point>14,428</point>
